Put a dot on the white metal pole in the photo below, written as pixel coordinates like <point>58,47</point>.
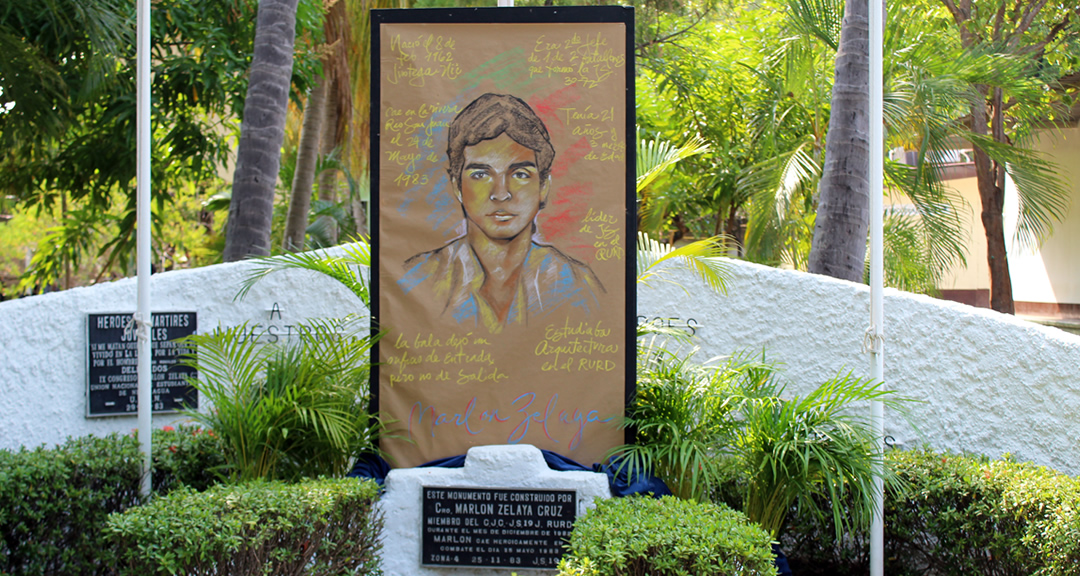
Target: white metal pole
<point>877,275</point>
<point>142,181</point>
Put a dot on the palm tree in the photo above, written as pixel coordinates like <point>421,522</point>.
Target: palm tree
<point>843,213</point>
<point>307,156</point>
<point>287,410</point>
<point>795,449</point>
<point>924,101</point>
<point>327,111</point>
<point>258,156</point>
<point>356,139</point>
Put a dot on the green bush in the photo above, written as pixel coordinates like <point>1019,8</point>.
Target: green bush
<point>186,456</point>
<point>970,515</point>
<point>319,527</point>
<point>53,502</point>
<point>666,536</point>
<point>293,409</point>
<point>694,421</point>
<point>957,514</point>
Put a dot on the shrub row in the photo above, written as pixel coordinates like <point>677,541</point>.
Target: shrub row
<point>317,527</point>
<point>954,514</point>
<point>54,502</point>
<point>667,536</point>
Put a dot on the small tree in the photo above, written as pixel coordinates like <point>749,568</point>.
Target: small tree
<point>1007,108</point>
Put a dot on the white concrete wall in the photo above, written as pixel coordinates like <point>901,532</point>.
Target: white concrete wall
<point>988,383</point>
<point>43,349</point>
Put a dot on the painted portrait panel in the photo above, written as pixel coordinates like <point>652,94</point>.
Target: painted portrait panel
<point>502,196</point>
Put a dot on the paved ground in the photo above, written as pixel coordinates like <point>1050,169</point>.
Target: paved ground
<point>1067,324</point>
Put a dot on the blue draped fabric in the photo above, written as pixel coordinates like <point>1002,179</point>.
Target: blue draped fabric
<point>375,467</point>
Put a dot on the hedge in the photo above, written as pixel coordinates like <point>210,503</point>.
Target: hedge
<point>317,527</point>
<point>54,501</point>
<point>666,536</point>
<point>956,515</point>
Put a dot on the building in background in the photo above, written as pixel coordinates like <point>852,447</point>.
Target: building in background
<point>1046,280</point>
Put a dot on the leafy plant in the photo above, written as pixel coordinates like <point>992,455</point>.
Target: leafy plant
<point>656,156</point>
<point>186,456</point>
<point>694,422</point>
<point>703,257</point>
<point>809,445</point>
<point>346,268</point>
<point>318,527</point>
<point>954,514</point>
<point>666,536</point>
<point>54,501</point>
<point>682,419</point>
<point>293,409</point>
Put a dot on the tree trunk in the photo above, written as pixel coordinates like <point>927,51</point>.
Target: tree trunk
<point>990,177</point>
<point>307,158</point>
<point>359,145</point>
<point>843,214</point>
<point>258,156</point>
<point>328,179</point>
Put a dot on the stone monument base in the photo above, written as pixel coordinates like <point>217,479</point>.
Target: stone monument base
<point>503,512</point>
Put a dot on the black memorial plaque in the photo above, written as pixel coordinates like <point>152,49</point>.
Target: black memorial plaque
<point>112,364</point>
<point>496,527</point>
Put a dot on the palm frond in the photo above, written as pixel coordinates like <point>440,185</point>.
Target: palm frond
<point>778,213</point>
<point>819,19</point>
<point>1041,196</point>
<point>655,157</point>
<point>703,257</point>
<point>289,409</point>
<point>908,262</point>
<point>347,269</point>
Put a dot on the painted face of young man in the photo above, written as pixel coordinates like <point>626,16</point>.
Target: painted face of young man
<point>501,188</point>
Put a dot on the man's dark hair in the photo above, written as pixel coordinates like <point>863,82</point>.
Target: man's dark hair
<point>491,115</point>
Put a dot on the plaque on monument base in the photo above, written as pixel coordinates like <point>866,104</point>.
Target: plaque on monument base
<point>496,527</point>
<point>505,511</point>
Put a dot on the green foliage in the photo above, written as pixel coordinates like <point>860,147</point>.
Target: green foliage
<point>346,268</point>
<point>638,535</point>
<point>68,122</point>
<point>806,446</point>
<point>287,410</point>
<point>964,515</point>
<point>317,527</point>
<point>186,456</point>
<point>907,260</point>
<point>956,514</point>
<point>694,422</point>
<point>692,86</point>
<point>656,156</point>
<point>682,420</point>
<point>702,257</point>
<point>53,502</point>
